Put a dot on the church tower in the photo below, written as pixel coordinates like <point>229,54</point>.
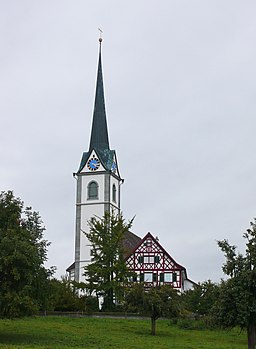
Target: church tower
<point>98,178</point>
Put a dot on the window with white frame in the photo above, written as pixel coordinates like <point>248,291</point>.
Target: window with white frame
<point>149,259</point>
<point>167,277</point>
<point>148,277</point>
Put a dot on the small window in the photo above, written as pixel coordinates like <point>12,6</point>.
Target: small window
<point>148,277</point>
<point>114,192</point>
<point>168,277</point>
<point>93,190</point>
<point>148,259</point>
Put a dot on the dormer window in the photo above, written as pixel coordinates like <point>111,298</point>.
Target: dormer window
<point>93,190</point>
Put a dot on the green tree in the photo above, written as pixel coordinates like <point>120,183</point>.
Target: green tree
<point>107,273</point>
<point>162,301</point>
<point>62,296</point>
<point>23,251</point>
<point>236,304</point>
<point>201,299</point>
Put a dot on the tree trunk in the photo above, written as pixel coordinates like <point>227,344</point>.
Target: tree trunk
<point>153,326</point>
<point>251,335</point>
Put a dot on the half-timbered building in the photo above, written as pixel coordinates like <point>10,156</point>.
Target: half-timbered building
<point>154,266</point>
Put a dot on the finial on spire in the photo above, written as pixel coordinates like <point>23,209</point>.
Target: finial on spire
<point>100,38</point>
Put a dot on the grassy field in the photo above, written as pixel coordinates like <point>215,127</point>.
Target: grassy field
<point>102,333</point>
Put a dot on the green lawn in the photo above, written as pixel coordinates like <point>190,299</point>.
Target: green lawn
<point>96,333</point>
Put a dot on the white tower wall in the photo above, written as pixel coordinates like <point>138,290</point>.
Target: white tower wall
<point>87,208</point>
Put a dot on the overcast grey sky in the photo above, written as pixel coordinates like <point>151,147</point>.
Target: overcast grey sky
<point>179,81</point>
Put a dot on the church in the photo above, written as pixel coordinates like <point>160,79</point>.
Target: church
<point>98,189</point>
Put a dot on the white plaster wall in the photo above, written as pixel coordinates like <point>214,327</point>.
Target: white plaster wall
<point>86,213</point>
<point>188,285</point>
<point>99,178</point>
<point>115,181</point>
<point>89,209</point>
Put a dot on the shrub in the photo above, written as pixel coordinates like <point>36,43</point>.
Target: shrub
<point>190,324</point>
<point>91,304</point>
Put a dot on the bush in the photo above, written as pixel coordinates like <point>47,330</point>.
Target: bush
<point>190,324</point>
<point>91,304</point>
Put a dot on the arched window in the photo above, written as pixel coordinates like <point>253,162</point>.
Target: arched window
<point>114,192</point>
<point>93,190</point>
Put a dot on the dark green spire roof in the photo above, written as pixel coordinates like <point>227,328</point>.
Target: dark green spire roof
<point>99,133</point>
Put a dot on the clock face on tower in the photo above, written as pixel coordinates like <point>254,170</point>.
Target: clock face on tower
<point>93,164</point>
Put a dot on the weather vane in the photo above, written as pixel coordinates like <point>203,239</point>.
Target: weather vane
<point>100,38</point>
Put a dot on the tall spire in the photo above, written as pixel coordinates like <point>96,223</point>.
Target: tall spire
<point>99,132</point>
